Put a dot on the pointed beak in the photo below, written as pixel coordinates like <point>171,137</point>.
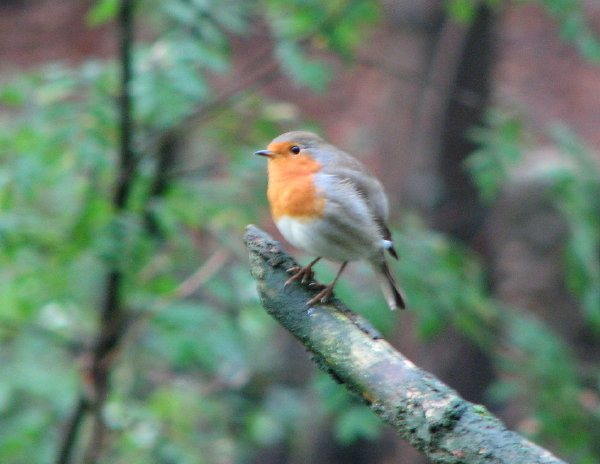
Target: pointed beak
<point>264,153</point>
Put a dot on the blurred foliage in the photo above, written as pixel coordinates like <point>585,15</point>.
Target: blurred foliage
<point>575,189</point>
<point>571,16</point>
<point>574,26</point>
<point>536,362</point>
<point>500,149</point>
<point>196,380</point>
<point>202,376</point>
<point>573,184</point>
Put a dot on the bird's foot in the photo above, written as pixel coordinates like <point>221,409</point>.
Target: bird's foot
<point>323,296</point>
<point>303,273</point>
<point>316,285</point>
<point>299,272</point>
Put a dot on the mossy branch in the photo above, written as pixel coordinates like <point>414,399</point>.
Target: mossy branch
<point>428,414</point>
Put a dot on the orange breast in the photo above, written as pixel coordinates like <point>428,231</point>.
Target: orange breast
<point>292,191</point>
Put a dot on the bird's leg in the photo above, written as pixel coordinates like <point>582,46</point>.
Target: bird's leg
<point>304,273</point>
<point>324,295</point>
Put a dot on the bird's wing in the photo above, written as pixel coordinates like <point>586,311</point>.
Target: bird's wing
<point>371,191</point>
<point>368,187</point>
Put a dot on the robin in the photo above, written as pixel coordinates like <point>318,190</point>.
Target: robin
<point>327,203</point>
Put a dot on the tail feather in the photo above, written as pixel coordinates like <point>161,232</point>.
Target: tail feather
<point>391,290</point>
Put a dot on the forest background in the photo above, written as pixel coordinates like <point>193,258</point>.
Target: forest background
<point>130,327</point>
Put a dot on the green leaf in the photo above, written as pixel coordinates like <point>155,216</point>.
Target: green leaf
<point>102,12</point>
<point>574,25</point>
<point>11,95</point>
<point>589,46</point>
<point>463,11</point>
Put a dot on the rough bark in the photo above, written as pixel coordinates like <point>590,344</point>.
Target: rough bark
<point>428,414</point>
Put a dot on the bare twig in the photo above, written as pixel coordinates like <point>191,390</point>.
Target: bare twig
<point>260,72</point>
<point>183,290</point>
<point>428,414</point>
<point>112,316</point>
<point>126,125</point>
<point>197,279</point>
<point>70,439</point>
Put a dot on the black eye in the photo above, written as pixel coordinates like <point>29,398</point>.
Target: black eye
<point>295,149</point>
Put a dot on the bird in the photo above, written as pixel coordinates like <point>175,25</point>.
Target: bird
<point>327,203</point>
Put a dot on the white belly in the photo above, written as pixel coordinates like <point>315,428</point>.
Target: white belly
<point>320,238</point>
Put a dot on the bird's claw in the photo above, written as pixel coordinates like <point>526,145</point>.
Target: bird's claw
<point>303,273</point>
<point>323,296</point>
<point>316,285</point>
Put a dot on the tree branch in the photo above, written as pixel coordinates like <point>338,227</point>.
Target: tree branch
<point>428,414</point>
<point>69,441</point>
<point>112,322</point>
<point>113,317</point>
